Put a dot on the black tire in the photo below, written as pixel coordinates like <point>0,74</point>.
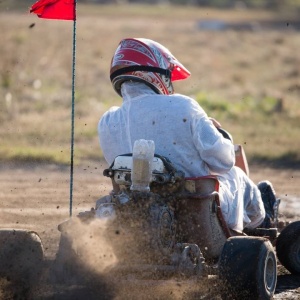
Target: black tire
<point>21,257</point>
<point>288,247</point>
<point>248,268</point>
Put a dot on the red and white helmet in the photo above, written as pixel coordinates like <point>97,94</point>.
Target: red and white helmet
<point>144,60</point>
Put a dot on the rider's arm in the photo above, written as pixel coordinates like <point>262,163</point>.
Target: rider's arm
<point>216,151</point>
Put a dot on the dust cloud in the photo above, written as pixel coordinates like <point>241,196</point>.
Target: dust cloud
<point>91,243</point>
<point>96,249</point>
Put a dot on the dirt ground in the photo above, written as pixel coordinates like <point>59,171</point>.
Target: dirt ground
<point>36,197</point>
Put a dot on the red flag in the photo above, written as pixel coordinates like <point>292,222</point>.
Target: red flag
<point>55,9</point>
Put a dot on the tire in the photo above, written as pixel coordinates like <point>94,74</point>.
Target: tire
<point>288,247</point>
<point>21,257</point>
<point>248,268</point>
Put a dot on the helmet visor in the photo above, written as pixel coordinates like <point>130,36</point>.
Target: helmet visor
<point>179,71</point>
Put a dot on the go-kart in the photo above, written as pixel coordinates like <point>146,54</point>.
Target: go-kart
<point>176,228</point>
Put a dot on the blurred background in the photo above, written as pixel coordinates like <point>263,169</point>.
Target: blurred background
<point>243,56</point>
<point>261,4</point>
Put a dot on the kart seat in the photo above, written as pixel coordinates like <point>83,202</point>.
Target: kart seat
<point>199,216</point>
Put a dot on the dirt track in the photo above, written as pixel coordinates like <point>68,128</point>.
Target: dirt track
<point>37,198</point>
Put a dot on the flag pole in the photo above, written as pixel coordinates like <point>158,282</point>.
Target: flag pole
<point>73,111</point>
<point>63,10</point>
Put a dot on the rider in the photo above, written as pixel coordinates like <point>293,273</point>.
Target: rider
<point>142,72</point>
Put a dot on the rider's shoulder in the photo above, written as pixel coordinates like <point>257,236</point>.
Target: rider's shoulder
<point>184,98</point>
<point>109,113</point>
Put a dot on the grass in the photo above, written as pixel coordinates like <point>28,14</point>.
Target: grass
<point>249,80</point>
<point>269,132</point>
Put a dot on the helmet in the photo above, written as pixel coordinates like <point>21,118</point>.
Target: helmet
<point>144,60</point>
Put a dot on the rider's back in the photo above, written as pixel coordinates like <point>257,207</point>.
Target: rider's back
<point>177,124</point>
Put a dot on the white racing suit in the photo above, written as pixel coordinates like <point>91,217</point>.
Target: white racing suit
<point>183,133</point>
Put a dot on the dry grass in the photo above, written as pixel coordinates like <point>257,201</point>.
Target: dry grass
<point>242,69</point>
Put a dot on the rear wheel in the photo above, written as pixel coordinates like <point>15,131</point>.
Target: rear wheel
<point>21,257</point>
<point>248,268</point>
<point>288,247</point>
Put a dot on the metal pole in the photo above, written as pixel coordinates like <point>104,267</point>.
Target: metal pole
<point>73,111</point>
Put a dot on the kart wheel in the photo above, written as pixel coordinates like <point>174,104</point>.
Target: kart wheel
<point>21,256</point>
<point>288,247</point>
<point>248,268</point>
